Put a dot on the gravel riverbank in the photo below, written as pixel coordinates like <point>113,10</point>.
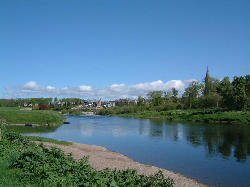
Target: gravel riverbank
<point>101,158</point>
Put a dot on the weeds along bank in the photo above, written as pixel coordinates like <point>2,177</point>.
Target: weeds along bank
<point>22,162</point>
<point>214,115</point>
<point>14,115</point>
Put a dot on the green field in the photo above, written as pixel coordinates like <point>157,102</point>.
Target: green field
<point>14,115</point>
<point>23,163</point>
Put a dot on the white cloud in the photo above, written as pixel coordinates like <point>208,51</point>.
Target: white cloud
<point>190,80</point>
<point>85,88</point>
<point>50,88</point>
<point>30,86</point>
<point>32,89</point>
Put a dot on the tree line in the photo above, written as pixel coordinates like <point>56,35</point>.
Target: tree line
<point>231,95</point>
<point>212,92</point>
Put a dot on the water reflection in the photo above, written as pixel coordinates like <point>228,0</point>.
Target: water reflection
<point>223,140</point>
<point>227,140</point>
<point>217,155</point>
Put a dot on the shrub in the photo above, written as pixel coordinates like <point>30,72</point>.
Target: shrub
<point>41,166</point>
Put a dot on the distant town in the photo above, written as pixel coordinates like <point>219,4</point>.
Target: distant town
<point>69,103</point>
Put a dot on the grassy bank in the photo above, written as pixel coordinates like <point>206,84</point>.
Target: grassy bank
<point>23,163</point>
<point>50,140</point>
<point>14,115</point>
<point>201,115</point>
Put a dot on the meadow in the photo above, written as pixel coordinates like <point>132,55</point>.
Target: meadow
<point>15,115</point>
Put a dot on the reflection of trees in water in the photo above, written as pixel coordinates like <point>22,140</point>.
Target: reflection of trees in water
<point>143,126</point>
<point>161,128</point>
<point>225,140</point>
<point>156,127</point>
<point>194,136</point>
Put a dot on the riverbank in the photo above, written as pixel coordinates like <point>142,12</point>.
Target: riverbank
<point>16,116</point>
<point>101,158</point>
<point>205,115</point>
<point>24,163</point>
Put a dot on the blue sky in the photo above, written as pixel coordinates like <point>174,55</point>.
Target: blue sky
<point>133,46</point>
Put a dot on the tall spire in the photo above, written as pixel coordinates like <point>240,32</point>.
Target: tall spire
<point>207,83</point>
<point>207,74</point>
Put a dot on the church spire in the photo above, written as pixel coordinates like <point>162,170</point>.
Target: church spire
<point>207,83</point>
<point>207,74</point>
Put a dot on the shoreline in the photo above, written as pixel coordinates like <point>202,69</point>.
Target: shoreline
<point>101,158</point>
<point>192,115</point>
<point>181,120</point>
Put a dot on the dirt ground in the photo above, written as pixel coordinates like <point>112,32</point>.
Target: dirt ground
<point>101,158</point>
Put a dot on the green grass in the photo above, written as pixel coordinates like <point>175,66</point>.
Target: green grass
<point>23,163</point>
<point>9,108</point>
<point>39,129</point>
<point>9,177</point>
<point>42,139</point>
<point>14,115</point>
<point>195,115</point>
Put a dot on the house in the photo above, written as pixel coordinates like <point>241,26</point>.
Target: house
<point>112,103</point>
<point>99,105</point>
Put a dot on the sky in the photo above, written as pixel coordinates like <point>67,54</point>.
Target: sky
<point>119,48</point>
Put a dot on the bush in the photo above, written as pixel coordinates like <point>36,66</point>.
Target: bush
<point>41,166</point>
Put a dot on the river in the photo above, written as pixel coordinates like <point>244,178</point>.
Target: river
<point>214,154</point>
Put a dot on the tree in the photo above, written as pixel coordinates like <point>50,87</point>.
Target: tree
<point>239,94</point>
<point>247,77</point>
<point>211,100</point>
<point>156,97</point>
<point>192,93</point>
<point>140,101</point>
<point>55,99</point>
<point>167,96</point>
<point>225,91</point>
<point>175,93</point>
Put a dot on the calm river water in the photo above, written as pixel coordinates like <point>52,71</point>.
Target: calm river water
<point>217,155</point>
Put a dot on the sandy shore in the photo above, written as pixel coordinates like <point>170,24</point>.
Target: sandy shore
<point>101,158</point>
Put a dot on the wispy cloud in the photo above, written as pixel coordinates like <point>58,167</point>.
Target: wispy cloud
<point>32,89</point>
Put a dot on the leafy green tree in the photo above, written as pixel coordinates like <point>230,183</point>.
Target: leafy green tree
<point>175,93</point>
<point>156,97</point>
<point>192,93</point>
<point>210,98</point>
<point>239,94</point>
<point>247,77</point>
<point>225,90</point>
<point>140,101</point>
<point>209,101</point>
<point>167,96</point>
